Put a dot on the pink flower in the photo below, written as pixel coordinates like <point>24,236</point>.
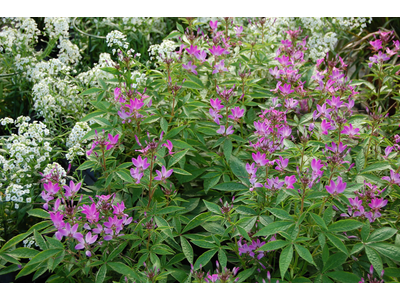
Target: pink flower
<point>192,50</point>
<point>169,146</point>
<point>336,188</point>
<point>118,95</point>
<point>251,169</point>
<point>335,102</point>
<point>286,89</point>
<point>237,113</point>
<point>393,179</point>
<point>72,189</point>
<point>335,148</point>
<point>274,184</point>
<point>164,174</point>
<point>291,103</point>
<point>289,180</point>
<point>51,188</point>
<point>220,67</point>
<point>113,140</point>
<point>136,174</point>
<point>91,213</point>
<point>71,231</point>
<point>349,130</point>
<point>84,243</point>
<point>282,163</point>
<point>388,150</point>
<point>216,104</point>
<point>376,45</point>
<point>47,198</point>
<point>325,126</point>
<point>260,159</point>
<point>140,163</point>
<point>217,51</point>
<point>190,67</point>
<point>119,209</point>
<point>226,132</point>
<point>238,30</point>
<point>214,25</point>
<point>316,166</point>
<point>201,55</point>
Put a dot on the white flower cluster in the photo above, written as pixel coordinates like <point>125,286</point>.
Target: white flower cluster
<point>131,23</point>
<point>6,121</point>
<point>75,142</point>
<point>56,171</point>
<point>69,52</point>
<point>25,154</point>
<point>55,97</point>
<point>140,78</point>
<point>21,35</point>
<point>29,242</point>
<point>90,78</point>
<point>116,38</point>
<point>57,27</point>
<point>164,50</point>
<point>44,69</point>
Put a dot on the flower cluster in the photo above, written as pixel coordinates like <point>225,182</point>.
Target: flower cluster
<point>76,142</point>
<point>383,44</point>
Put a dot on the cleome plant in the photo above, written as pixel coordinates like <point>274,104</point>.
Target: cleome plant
<point>243,150</point>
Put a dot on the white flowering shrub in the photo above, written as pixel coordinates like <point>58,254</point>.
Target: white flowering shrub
<point>23,156</point>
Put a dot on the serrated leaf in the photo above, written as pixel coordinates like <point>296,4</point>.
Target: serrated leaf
<point>101,274</point>
<point>273,228</point>
<point>280,213</point>
<point>388,250</point>
<point>227,148</point>
<point>382,234</point>
<point>304,253</point>
<point>360,161</point>
<point>377,167</point>
<point>24,252</point>
<point>212,207</point>
<point>284,260</point>
<point>204,258</point>
<point>337,243</point>
<point>230,187</point>
<point>344,225</point>
<point>176,157</point>
<point>374,259</point>
<point>334,261</point>
<point>40,213</point>
<point>125,175</point>
<point>197,221</point>
<point>344,277</point>
<point>319,221</point>
<point>169,210</point>
<point>187,249</point>
<point>124,270</point>
<point>274,245</point>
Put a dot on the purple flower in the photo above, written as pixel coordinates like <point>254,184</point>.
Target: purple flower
<point>84,243</point>
<point>316,166</point>
<point>169,146</point>
<point>378,58</point>
<point>113,140</point>
<point>220,67</point>
<point>260,159</point>
<point>238,30</point>
<point>325,126</point>
<point>251,169</point>
<point>291,103</point>
<point>47,198</point>
<point>100,230</point>
<point>118,95</point>
<point>350,131</point>
<point>214,25</point>
<point>164,174</point>
<point>201,55</point>
<point>274,184</point>
<point>140,163</point>
<point>225,132</point>
<point>216,104</point>
<point>286,89</point>
<point>136,174</point>
<point>323,110</point>
<point>72,189</point>
<point>289,180</point>
<point>119,209</point>
<point>71,231</point>
<point>217,51</point>
<point>91,213</point>
<point>335,102</point>
<point>135,105</point>
<point>237,113</point>
<point>376,45</point>
<point>113,224</point>
<point>192,50</point>
<point>336,188</point>
<point>284,60</point>
<point>51,188</point>
<point>282,163</point>
<point>393,179</point>
<point>190,67</point>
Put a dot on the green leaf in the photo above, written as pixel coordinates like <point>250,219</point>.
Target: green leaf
<point>90,91</point>
<point>227,148</point>
<point>15,240</point>
<point>304,253</point>
<point>176,157</point>
<point>9,258</point>
<point>244,233</point>
<point>101,274</point>
<point>87,165</point>
<point>284,259</point>
<point>212,207</point>
<point>245,274</point>
<point>377,167</point>
<point>230,187</point>
<point>245,210</point>
<point>38,212</point>
<point>181,172</point>
<point>360,161</point>
<point>173,132</point>
<point>274,228</point>
<point>40,240</point>
<point>204,258</point>
<point>42,256</point>
<point>169,210</point>
<point>337,243</point>
<point>374,259</point>
<point>124,270</point>
<point>210,182</point>
<point>382,234</point>
<point>334,261</point>
<point>280,213</point>
<point>223,260</point>
<point>162,223</point>
<point>92,115</point>
<point>180,28</point>
<point>172,35</point>
<point>365,230</point>
<point>388,250</point>
<point>344,277</point>
<point>197,221</point>
<point>187,249</point>
<point>125,175</point>
<point>24,252</point>
<point>164,125</point>
<point>192,85</point>
<point>273,245</point>
<point>319,221</point>
<point>117,251</point>
<point>344,225</point>
<point>150,119</point>
<point>204,244</point>
<point>239,169</point>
